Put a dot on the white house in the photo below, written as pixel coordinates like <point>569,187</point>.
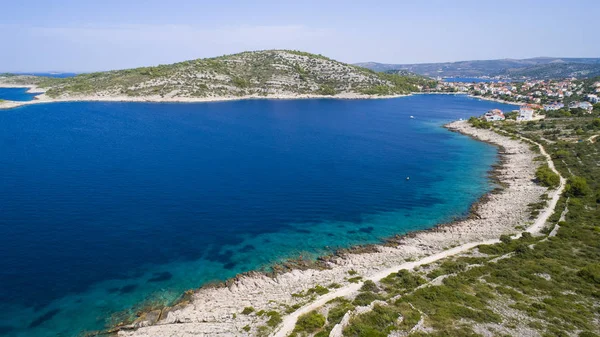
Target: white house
<point>525,114</point>
<point>582,105</point>
<point>592,98</point>
<point>553,106</point>
<point>494,115</point>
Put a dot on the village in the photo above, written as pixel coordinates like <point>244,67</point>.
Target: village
<point>537,98</point>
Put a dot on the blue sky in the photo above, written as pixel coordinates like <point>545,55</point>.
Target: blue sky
<point>69,35</point>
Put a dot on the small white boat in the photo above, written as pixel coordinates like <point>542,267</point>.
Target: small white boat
<point>412,117</point>
<point>407,178</point>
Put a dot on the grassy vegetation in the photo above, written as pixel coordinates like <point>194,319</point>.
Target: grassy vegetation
<point>479,123</point>
<point>318,290</point>
<point>308,323</point>
<point>337,312</point>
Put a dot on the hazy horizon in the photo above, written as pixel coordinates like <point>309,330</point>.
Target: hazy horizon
<point>73,36</point>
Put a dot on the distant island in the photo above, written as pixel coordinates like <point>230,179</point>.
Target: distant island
<point>532,68</point>
<point>268,74</point>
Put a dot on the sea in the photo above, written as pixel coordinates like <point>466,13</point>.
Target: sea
<point>50,74</point>
<point>107,207</point>
<point>16,94</point>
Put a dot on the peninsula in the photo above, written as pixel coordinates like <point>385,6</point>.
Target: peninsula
<point>278,74</point>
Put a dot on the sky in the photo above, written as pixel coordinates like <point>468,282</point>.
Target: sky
<point>94,35</point>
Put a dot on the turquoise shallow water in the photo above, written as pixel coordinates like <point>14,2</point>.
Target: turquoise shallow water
<point>107,205</point>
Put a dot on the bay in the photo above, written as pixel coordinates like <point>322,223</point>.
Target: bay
<point>104,206</point>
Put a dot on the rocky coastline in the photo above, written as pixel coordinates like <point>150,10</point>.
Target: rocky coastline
<point>43,98</point>
<point>218,310</point>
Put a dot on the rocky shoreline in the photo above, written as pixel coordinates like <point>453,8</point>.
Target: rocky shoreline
<point>43,98</point>
<point>217,310</point>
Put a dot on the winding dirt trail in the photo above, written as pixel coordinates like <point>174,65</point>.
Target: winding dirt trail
<point>289,321</point>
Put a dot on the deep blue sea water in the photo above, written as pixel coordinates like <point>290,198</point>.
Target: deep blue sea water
<point>106,205</point>
<point>16,94</point>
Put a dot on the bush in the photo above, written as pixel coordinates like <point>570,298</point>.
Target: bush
<point>310,322</point>
<point>318,289</point>
<point>355,279</point>
<point>479,123</point>
<point>401,281</point>
<point>590,273</point>
<point>546,177</point>
<point>577,187</point>
<point>274,319</point>
<point>326,90</point>
<point>247,310</point>
<point>378,322</point>
<point>560,154</point>
<point>335,314</point>
<point>365,298</point>
<point>369,286</point>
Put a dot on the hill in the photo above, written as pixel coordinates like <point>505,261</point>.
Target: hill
<point>554,71</point>
<point>534,67</point>
<point>260,73</point>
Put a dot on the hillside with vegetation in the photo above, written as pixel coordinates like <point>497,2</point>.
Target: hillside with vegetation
<point>535,68</point>
<point>260,73</point>
<point>554,71</point>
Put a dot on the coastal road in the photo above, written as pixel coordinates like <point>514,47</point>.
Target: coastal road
<point>289,321</point>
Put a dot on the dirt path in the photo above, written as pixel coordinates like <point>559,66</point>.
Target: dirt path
<point>592,139</point>
<point>539,223</point>
<point>289,321</point>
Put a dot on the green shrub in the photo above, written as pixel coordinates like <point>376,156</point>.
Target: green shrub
<point>318,289</point>
<point>335,314</point>
<point>365,298</point>
<point>401,281</point>
<point>369,285</point>
<point>309,322</point>
<point>577,187</point>
<point>334,285</point>
<point>505,238</point>
<point>247,310</point>
<point>546,177</point>
<point>376,323</point>
<point>326,90</point>
<point>274,318</point>
<point>560,154</point>
<point>479,123</point>
<point>590,273</point>
<point>355,279</point>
